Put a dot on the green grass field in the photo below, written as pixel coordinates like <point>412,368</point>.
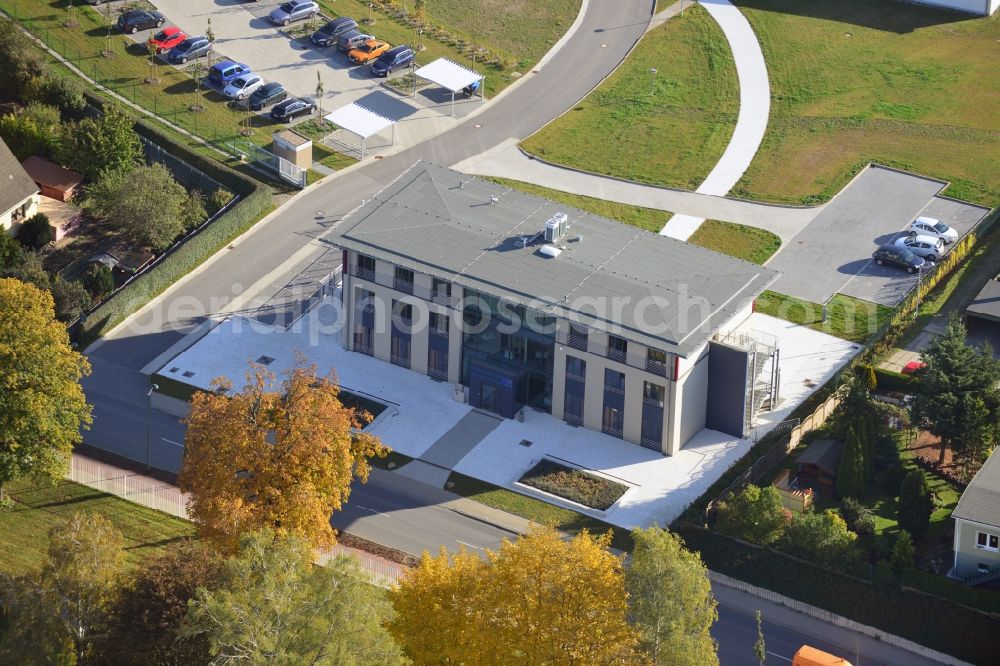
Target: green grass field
<point>854,81</point>
<point>737,240</point>
<point>673,136</point>
<point>24,529</point>
<point>848,318</point>
<point>637,216</point>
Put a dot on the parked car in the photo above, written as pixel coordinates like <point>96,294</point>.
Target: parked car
<point>225,71</point>
<point>394,58</point>
<point>266,95</point>
<point>351,39</point>
<point>898,256</point>
<point>371,49</point>
<point>929,226</point>
<point>329,33</point>
<point>95,2</point>
<point>293,108</point>
<point>135,20</point>
<point>243,86</point>
<point>293,10</point>
<point>192,47</point>
<point>167,39</point>
<point>928,247</point>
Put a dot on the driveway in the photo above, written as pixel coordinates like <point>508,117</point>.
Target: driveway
<point>833,252</point>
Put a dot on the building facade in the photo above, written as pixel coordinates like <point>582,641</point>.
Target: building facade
<point>453,278</point>
<point>977,526</point>
<point>18,195</point>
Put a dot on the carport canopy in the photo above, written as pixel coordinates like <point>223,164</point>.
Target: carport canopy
<point>363,122</point>
<point>450,75</point>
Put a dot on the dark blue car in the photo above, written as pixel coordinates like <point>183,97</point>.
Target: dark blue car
<point>900,257</point>
<point>394,58</point>
<point>192,47</point>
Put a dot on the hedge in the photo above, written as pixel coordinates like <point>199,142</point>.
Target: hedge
<point>189,254</point>
<point>887,380</point>
<point>927,620</point>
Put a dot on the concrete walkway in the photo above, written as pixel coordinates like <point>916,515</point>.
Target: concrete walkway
<point>507,161</point>
<point>689,211</point>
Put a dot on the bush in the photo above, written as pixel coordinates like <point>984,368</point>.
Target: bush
<point>819,537</point>
<point>36,232</point>
<point>574,484</point>
<point>930,621</point>
<point>71,299</point>
<point>887,380</point>
<point>858,517</point>
<point>98,280</point>
<point>915,504</point>
<point>754,514</point>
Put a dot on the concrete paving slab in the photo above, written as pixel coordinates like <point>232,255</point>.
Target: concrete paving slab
<point>455,444</point>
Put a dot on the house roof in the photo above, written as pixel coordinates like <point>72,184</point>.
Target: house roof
<point>980,502</point>
<point>15,183</point>
<point>824,453</point>
<point>44,172</point>
<point>986,305</point>
<point>655,290</point>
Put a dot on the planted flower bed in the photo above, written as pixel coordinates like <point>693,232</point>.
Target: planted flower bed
<point>574,484</point>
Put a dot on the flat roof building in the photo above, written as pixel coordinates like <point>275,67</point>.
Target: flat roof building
<point>526,302</point>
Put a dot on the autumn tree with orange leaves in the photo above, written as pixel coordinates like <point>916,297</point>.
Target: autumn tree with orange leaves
<point>538,600</point>
<point>276,455</point>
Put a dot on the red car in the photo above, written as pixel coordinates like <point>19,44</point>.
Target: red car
<point>167,39</point>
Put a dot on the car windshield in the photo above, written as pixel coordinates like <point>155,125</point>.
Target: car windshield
<point>160,36</point>
<point>287,7</point>
<point>908,256</point>
<point>239,83</point>
<point>185,45</point>
<point>940,227</point>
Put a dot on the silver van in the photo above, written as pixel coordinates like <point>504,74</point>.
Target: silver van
<point>352,39</point>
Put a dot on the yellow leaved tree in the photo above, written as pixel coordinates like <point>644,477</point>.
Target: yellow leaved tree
<point>538,600</point>
<point>275,455</point>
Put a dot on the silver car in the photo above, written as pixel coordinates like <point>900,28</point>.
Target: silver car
<point>928,247</point>
<point>293,10</point>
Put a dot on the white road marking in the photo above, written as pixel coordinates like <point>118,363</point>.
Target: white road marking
<point>170,441</point>
<point>374,511</point>
<point>469,545</point>
<point>779,656</point>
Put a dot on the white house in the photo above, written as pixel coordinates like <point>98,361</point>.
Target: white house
<point>18,192</point>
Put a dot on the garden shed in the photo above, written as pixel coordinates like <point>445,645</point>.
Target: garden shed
<point>54,181</point>
<point>816,467</point>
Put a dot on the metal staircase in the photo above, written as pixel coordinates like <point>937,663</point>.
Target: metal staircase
<point>763,373</point>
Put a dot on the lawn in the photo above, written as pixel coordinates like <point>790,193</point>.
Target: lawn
<point>668,128</point>
<point>636,216</point>
<point>848,318</point>
<point>24,529</point>
<point>533,509</point>
<point>574,485</point>
<point>737,240</point>
<point>854,81</point>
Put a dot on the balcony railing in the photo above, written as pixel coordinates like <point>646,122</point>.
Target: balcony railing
<point>365,273</point>
<point>400,360</point>
<point>573,419</point>
<point>641,362</point>
<point>437,374</point>
<point>406,287</point>
<point>439,332</point>
<point>573,377</point>
<point>363,349</point>
<point>611,430</point>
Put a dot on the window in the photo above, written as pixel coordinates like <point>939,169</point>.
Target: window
<point>617,347</point>
<point>365,267</point>
<point>402,311</point>
<point>614,380</point>
<point>403,279</point>
<point>988,541</point>
<point>440,288</point>
<point>653,393</point>
<point>576,366</point>
<point>577,336</point>
<point>439,323</point>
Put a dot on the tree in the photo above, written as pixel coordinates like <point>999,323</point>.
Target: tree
<point>107,144</point>
<point>11,254</point>
<point>915,504</point>
<point>850,480</point>
<point>210,36</point>
<point>22,63</point>
<point>64,93</point>
<point>273,607</point>
<point>29,269</point>
<point>538,600</point>
<point>820,537</point>
<point>319,94</point>
<point>858,517</point>
<point>754,514</point>
<point>34,130</point>
<point>146,204</point>
<point>71,299</point>
<point>956,395</point>
<point>98,280</point>
<point>280,457</point>
<point>670,600</point>
<point>903,552</point>
<point>36,232</point>
<point>42,406</point>
<point>759,647</point>
<point>152,606</point>
<point>61,612</point>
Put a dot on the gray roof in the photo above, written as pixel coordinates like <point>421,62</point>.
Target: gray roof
<point>987,303</point>
<point>672,295</point>
<point>824,453</point>
<point>981,500</point>
<point>15,183</point>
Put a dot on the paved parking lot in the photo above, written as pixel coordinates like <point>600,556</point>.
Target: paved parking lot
<point>244,34</point>
<point>833,252</point>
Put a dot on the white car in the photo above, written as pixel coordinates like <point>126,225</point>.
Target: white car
<point>928,226</point>
<point>243,86</point>
<point>928,247</point>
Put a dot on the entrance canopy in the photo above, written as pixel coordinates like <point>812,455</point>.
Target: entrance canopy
<point>358,120</point>
<point>450,75</point>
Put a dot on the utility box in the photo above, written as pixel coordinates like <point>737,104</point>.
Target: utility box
<point>293,147</point>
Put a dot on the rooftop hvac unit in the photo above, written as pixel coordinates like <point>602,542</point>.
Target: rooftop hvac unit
<point>555,227</point>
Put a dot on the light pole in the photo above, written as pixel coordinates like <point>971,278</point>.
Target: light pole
<point>149,419</point>
<point>652,84</point>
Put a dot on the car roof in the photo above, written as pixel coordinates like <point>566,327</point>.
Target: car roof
<point>921,238</point>
<point>396,50</point>
<point>927,220</point>
<point>341,20</point>
<point>269,87</point>
<point>172,30</point>
<point>223,64</point>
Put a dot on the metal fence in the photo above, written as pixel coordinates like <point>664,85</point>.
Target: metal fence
<point>184,173</point>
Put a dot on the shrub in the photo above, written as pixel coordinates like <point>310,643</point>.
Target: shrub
<point>902,553</point>
<point>858,517</point>
<point>915,504</point>
<point>98,280</point>
<point>217,200</point>
<point>36,232</point>
<point>887,380</point>
<point>754,514</point>
<point>574,484</point>
<point>71,299</point>
<point>819,537</point>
